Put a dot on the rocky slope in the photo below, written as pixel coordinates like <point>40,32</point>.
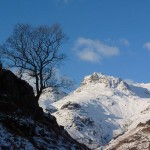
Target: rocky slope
<point>102,109</point>
<point>23,125</point>
<point>137,139</point>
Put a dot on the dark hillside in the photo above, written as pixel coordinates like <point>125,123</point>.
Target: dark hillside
<point>23,125</point>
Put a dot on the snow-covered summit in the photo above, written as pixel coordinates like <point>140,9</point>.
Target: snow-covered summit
<point>107,81</point>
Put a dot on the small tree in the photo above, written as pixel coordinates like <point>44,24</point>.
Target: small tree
<point>35,51</point>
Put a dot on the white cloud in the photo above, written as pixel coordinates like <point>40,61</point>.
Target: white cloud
<point>147,46</point>
<point>88,55</point>
<point>94,50</point>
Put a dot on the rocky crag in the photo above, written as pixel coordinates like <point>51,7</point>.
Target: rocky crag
<point>23,124</point>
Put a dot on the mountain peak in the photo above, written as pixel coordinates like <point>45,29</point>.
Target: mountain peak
<point>108,81</point>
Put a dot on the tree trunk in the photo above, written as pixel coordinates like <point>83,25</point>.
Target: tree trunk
<point>38,95</point>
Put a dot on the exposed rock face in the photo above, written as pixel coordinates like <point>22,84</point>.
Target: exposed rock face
<point>71,105</point>
<point>136,139</point>
<point>20,124</point>
<point>16,92</point>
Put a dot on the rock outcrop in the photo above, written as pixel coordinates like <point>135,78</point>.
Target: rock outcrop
<point>135,139</point>
<point>16,92</point>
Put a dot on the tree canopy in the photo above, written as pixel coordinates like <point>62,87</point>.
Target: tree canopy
<point>35,51</point>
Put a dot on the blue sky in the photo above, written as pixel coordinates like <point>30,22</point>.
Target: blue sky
<point>108,36</point>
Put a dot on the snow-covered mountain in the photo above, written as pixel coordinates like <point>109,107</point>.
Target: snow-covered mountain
<point>103,108</point>
<point>50,96</point>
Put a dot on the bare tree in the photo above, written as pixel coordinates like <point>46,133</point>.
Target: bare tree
<point>36,52</point>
